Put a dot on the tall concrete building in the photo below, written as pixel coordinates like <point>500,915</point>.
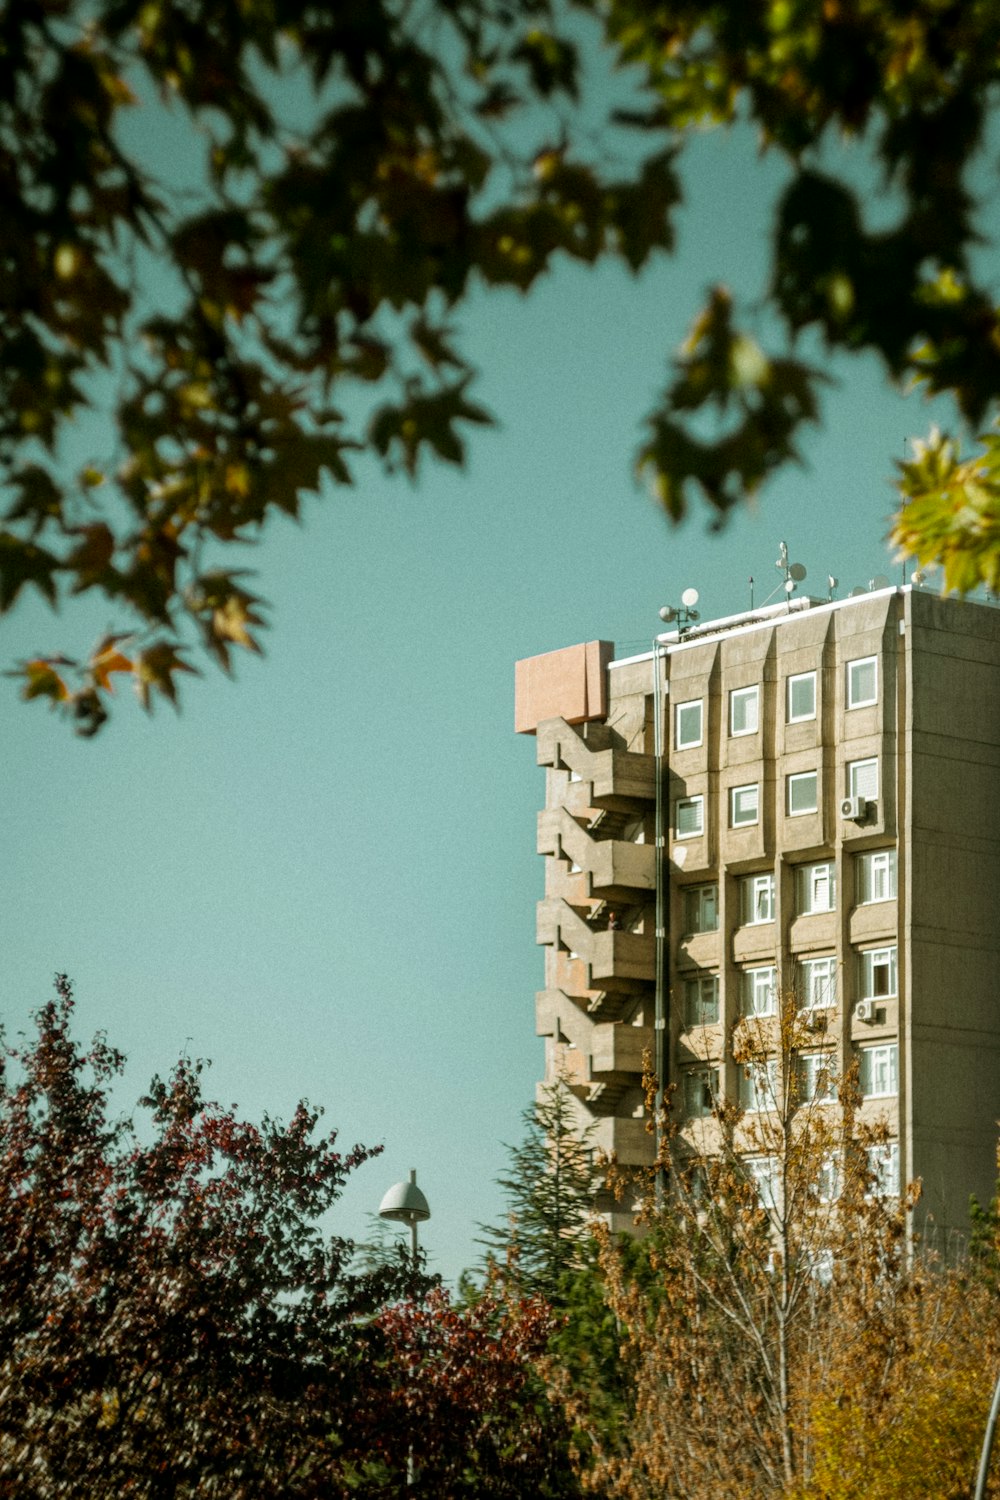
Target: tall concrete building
<point>828,819</point>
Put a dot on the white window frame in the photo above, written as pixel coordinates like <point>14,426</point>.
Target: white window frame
<point>879,1071</point>
<point>705,1081</point>
<point>828,1180</point>
<point>696,898</point>
<point>679,708</point>
<point>735,794</point>
<point>756,897</point>
<point>817,1072</point>
<point>810,884</point>
<point>764,1173</point>
<point>853,689</point>
<point>758,1086</point>
<point>876,870</point>
<point>818,982</point>
<point>748,699</point>
<point>872,961</point>
<point>863,778</point>
<point>883,1168</point>
<point>701,996</point>
<point>697,802</point>
<point>794,778</point>
<point>759,991</point>
<point>800,718</point>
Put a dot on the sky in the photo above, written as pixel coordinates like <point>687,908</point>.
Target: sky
<point>321,875</point>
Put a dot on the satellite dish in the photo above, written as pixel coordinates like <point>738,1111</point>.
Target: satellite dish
<point>878,582</point>
<point>859,590</point>
<point>689,598</point>
<point>782,561</point>
<point>668,613</point>
<point>789,585</point>
<point>797,571</point>
<point>918,576</point>
<point>831,582</point>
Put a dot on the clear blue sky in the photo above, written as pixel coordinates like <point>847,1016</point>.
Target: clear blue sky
<point>322,875</point>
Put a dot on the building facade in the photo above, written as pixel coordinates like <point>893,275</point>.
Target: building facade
<point>828,824</point>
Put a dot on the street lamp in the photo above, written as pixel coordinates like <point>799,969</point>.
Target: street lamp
<point>406,1204</point>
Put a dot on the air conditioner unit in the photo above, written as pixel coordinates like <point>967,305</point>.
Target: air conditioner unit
<point>866,1010</point>
<point>853,807</point>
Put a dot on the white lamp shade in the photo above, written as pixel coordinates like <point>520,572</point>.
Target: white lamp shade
<point>405,1202</point>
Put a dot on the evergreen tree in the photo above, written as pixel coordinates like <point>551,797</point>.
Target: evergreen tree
<point>550,1192</point>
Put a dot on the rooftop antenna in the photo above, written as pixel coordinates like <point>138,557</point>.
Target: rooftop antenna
<point>794,574</point>
<point>685,614</point>
<point>831,584</point>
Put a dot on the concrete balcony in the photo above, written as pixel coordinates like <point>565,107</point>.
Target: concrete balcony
<point>619,778</point>
<point>611,959</point>
<point>615,869</point>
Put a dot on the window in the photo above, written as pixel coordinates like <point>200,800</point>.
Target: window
<point>878,973</point>
<point>883,1170</point>
<point>815,888</point>
<point>817,982</point>
<point>689,817</point>
<point>862,779</point>
<point>743,802</point>
<point>876,876</point>
<point>756,899</point>
<point>759,992</point>
<point>743,710</point>
<point>701,908</point>
<point>802,793</point>
<point>827,1182</point>
<point>701,1092</point>
<point>878,1071</point>
<point>862,682</point>
<point>801,702</point>
<point>758,1082</point>
<point>763,1173</point>
<point>687,725</point>
<point>701,1000</point>
<point>817,1077</point>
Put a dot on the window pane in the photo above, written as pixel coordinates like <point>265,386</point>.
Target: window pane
<point>690,816</point>
<point>700,1092</point>
<point>817,1077</point>
<point>701,1001</point>
<point>742,805</point>
<point>818,982</point>
<point>862,682</point>
<point>815,888</point>
<point>743,710</point>
<point>802,793</point>
<point>877,876</point>
<point>862,779</point>
<point>759,992</point>
<point>878,1071</point>
<point>757,899</point>
<point>687,724</point>
<point>878,973</point>
<point>802,697</point>
<point>701,908</point>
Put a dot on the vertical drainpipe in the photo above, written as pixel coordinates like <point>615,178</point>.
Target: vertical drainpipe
<point>660,1029</point>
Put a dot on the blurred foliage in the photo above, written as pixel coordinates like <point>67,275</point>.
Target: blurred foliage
<point>302,253</point>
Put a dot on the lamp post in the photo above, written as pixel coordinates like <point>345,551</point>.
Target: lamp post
<point>406,1204</point>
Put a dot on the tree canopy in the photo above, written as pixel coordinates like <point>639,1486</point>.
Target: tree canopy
<point>354,170</point>
<point>177,1318</point>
